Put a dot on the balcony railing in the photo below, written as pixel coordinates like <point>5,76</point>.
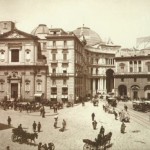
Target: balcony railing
<point>57,75</point>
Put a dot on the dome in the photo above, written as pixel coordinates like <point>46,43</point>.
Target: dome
<point>41,29</point>
<point>91,37</point>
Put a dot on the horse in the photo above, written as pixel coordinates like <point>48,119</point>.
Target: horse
<point>32,136</point>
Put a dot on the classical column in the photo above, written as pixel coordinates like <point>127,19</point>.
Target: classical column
<point>19,90</point>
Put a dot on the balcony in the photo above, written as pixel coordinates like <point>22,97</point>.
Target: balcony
<point>132,74</point>
<point>54,61</point>
<point>65,61</point>
<point>59,75</point>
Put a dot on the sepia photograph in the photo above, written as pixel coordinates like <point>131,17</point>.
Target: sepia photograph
<point>74,74</point>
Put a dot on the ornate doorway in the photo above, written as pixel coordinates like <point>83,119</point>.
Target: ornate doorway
<point>14,90</point>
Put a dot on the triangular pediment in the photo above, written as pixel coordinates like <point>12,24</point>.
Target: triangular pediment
<point>17,34</point>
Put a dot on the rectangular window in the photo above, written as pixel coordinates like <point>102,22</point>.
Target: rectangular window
<point>54,91</point>
<point>65,91</point>
<point>139,69</point>
<point>1,86</point>
<point>64,56</point>
<point>139,62</point>
<point>53,70</point>
<point>54,43</point>
<point>65,44</point>
<point>64,71</point>
<point>135,79</point>
<point>148,79</point>
<point>130,62</point>
<point>54,57</point>
<point>131,69</point>
<point>135,62</point>
<point>15,55</point>
<point>64,82</point>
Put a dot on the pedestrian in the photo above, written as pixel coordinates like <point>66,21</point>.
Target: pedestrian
<point>34,126</point>
<point>39,126</point>
<point>123,126</point>
<point>93,116</point>
<point>7,148</point>
<point>116,115</point>
<point>125,107</point>
<point>43,112</point>
<point>94,123</point>
<point>55,122</point>
<point>63,126</point>
<point>102,131</point>
<point>45,146</point>
<point>39,146</point>
<point>9,120</point>
<point>51,146</point>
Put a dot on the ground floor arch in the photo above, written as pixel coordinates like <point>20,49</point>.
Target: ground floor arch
<point>109,80</point>
<point>122,90</point>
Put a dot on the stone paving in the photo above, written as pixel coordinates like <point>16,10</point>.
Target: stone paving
<point>79,127</point>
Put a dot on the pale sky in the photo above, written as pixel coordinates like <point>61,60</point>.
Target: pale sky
<point>121,20</point>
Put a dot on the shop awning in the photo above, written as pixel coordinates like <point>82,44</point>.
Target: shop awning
<point>38,94</point>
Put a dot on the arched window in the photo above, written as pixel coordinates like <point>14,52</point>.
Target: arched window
<point>27,55</point>
<point>2,88</point>
<point>2,55</point>
<point>39,85</point>
<point>27,85</point>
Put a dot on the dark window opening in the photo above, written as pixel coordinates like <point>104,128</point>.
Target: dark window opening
<point>15,55</point>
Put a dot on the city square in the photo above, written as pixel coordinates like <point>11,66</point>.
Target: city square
<point>79,127</point>
<point>74,75</point>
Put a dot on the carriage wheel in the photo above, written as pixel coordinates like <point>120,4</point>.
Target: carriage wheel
<point>13,137</point>
<point>86,147</point>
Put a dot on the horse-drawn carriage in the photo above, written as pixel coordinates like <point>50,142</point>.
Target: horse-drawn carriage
<point>143,106</point>
<point>112,101</point>
<point>23,136</point>
<point>98,144</point>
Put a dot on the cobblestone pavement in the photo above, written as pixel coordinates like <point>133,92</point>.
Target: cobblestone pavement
<point>79,127</point>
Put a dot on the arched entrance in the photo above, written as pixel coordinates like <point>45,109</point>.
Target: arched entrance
<point>147,91</point>
<point>122,90</point>
<point>109,80</point>
<point>135,90</point>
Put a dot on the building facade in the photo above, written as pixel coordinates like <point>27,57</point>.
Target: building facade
<point>132,75</point>
<point>99,59</point>
<point>54,64</point>
<point>22,67</point>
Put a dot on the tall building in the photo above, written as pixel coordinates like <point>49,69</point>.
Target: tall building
<point>99,59</point>
<point>132,75</point>
<point>22,67</point>
<point>67,71</point>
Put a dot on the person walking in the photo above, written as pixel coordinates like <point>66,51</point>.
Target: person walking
<point>94,123</point>
<point>93,116</point>
<point>123,126</point>
<point>116,115</point>
<point>39,126</point>
<point>102,131</point>
<point>34,126</point>
<point>7,148</point>
<point>125,107</point>
<point>9,120</point>
<point>43,113</point>
<point>55,122</point>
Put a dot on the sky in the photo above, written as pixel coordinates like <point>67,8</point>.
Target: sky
<point>121,20</point>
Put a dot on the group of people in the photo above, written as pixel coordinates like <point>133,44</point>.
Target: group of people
<point>63,124</point>
<point>49,146</point>
<point>36,126</point>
